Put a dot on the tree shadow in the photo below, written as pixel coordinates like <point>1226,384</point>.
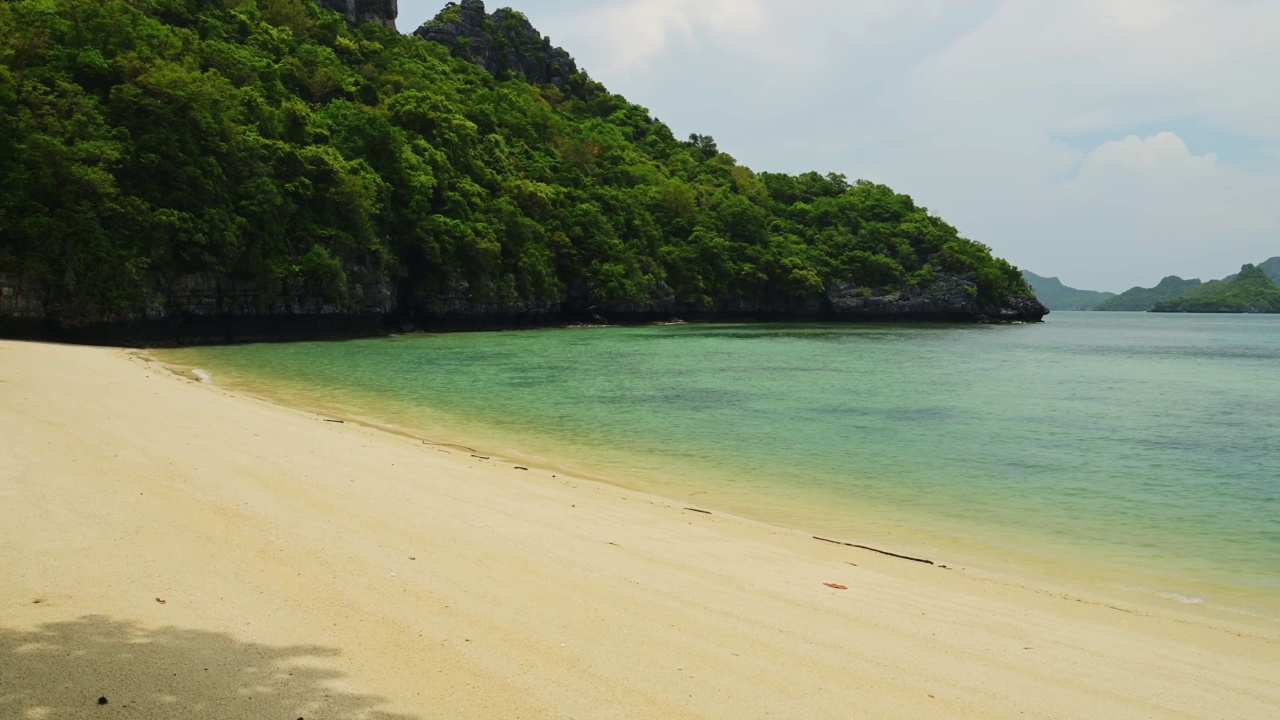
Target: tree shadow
<point>62,669</point>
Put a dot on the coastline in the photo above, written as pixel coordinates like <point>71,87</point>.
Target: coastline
<point>399,579</point>
<point>1090,572</point>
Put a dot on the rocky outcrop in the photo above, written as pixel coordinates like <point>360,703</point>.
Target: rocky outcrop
<point>382,12</point>
<point>948,298</point>
<point>21,299</point>
<point>205,309</point>
<point>504,43</point>
<point>199,309</point>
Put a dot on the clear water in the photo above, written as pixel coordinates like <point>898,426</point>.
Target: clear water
<point>1132,451</point>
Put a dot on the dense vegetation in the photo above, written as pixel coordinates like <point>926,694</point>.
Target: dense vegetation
<point>1251,291</point>
<point>1140,299</point>
<point>268,141</point>
<point>1270,268</point>
<point>1057,296</point>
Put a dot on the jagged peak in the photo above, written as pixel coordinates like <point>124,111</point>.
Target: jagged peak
<point>503,43</point>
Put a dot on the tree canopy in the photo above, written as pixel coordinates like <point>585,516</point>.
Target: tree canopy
<point>269,141</point>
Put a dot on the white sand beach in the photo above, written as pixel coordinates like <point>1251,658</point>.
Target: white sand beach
<point>183,551</point>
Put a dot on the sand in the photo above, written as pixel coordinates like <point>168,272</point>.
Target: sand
<point>187,552</point>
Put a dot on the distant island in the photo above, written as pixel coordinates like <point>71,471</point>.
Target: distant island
<point>1251,291</point>
<point>181,172</point>
<point>1140,299</point>
<point>1172,294</point>
<point>1057,296</point>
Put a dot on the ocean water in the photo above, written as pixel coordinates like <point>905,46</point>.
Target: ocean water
<point>1135,453</point>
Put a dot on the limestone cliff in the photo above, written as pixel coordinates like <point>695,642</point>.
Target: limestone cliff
<point>503,43</point>
<point>382,12</point>
<point>198,309</point>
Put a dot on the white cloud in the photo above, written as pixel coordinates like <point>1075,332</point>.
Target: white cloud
<point>1136,203</point>
<point>630,33</point>
<point>1103,65</point>
<point>1161,159</point>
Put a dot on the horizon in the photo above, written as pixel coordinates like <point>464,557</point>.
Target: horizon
<point>1151,284</point>
<point>1132,141</point>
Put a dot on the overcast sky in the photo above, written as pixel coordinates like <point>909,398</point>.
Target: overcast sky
<point>1107,142</point>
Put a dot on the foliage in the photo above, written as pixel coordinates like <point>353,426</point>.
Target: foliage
<point>1251,291</point>
<point>1139,299</point>
<point>267,141</point>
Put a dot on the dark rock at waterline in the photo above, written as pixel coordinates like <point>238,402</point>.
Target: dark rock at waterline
<point>207,309</point>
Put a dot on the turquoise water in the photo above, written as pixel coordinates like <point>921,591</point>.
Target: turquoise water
<point>1132,451</point>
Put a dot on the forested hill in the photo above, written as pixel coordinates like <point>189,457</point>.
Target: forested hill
<point>1057,296</point>
<point>1250,291</point>
<point>203,170</point>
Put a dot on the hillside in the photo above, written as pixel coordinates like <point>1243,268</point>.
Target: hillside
<point>191,170</point>
<point>1139,299</point>
<point>1057,296</point>
<point>1250,291</point>
<point>1270,267</point>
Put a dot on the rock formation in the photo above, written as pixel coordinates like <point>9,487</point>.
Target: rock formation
<point>199,309</point>
<point>382,12</point>
<point>504,43</point>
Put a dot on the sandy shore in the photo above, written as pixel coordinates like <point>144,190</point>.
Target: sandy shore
<point>186,552</point>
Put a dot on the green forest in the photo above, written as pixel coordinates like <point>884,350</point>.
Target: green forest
<point>273,143</point>
<point>1249,291</point>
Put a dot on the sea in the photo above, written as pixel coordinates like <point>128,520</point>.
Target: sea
<point>1128,455</point>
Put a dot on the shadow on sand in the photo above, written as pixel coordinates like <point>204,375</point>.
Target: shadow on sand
<point>61,670</point>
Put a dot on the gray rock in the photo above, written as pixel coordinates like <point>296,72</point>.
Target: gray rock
<point>382,12</point>
<point>503,43</point>
<point>21,298</point>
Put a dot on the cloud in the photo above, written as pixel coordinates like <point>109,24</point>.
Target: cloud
<point>1136,203</point>
<point>631,33</point>
<point>1162,160</point>
<point>1050,132</point>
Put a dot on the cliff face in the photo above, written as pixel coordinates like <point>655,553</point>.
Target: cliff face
<point>948,299</point>
<point>382,12</point>
<point>198,309</point>
<point>202,309</point>
<point>503,43</point>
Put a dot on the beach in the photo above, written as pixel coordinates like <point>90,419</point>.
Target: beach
<point>183,551</point>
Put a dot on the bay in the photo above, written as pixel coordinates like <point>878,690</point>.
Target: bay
<point>1131,452</point>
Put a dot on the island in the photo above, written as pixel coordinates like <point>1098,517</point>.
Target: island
<point>1057,296</point>
<point>1251,291</point>
<point>1174,289</point>
<point>182,172</point>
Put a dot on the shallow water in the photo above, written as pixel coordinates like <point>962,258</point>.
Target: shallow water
<point>1132,451</point>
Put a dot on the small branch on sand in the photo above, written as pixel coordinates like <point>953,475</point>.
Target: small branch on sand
<point>339,422</point>
<point>704,512</point>
<point>875,550</point>
<point>480,457</point>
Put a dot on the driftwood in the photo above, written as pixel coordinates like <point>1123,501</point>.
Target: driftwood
<point>339,422</point>
<point>704,512</point>
<point>875,550</point>
<point>482,457</point>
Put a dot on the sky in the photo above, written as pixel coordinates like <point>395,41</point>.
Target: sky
<point>1106,142</point>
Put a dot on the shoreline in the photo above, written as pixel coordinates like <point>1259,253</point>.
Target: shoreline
<point>394,579</point>
<point>1095,580</point>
